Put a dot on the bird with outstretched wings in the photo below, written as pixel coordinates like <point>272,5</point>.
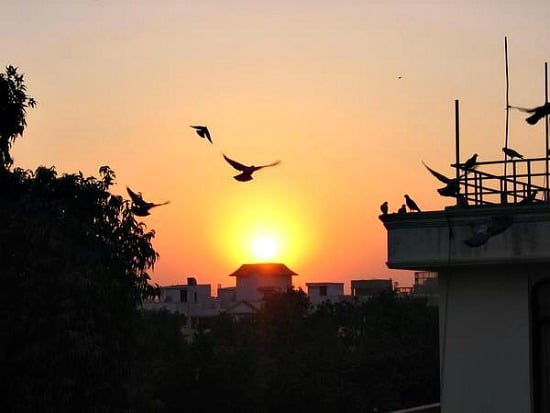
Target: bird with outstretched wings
<point>140,207</point>
<point>203,132</point>
<point>246,171</point>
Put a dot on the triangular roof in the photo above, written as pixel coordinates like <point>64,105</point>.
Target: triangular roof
<point>263,269</point>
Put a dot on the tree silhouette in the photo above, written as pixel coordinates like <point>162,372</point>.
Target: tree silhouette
<point>13,108</point>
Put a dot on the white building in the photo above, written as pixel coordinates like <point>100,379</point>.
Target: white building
<point>494,295</point>
<point>319,292</point>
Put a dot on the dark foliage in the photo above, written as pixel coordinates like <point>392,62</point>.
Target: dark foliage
<point>348,357</point>
<point>73,265</point>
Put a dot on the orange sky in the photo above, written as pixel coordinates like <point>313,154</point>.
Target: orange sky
<point>312,83</point>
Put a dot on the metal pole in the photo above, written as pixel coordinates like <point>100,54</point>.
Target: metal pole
<point>507,114</point>
<point>457,144</point>
<point>546,128</point>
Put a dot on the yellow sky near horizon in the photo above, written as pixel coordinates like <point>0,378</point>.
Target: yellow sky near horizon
<point>312,83</point>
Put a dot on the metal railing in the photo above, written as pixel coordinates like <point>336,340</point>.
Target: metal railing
<point>525,182</point>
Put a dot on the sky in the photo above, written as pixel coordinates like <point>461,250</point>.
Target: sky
<point>350,96</point>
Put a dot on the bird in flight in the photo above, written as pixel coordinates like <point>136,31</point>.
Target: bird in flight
<point>202,131</point>
<point>411,204</point>
<point>511,153</point>
<point>140,207</point>
<point>384,208</point>
<point>246,171</point>
<point>537,113</point>
<point>470,163</point>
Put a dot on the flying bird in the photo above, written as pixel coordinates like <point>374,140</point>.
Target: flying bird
<point>140,207</point>
<point>471,162</point>
<point>384,208</point>
<point>452,187</point>
<point>246,171</point>
<point>537,113</point>
<point>511,153</point>
<point>411,204</point>
<point>483,231</point>
<point>202,131</point>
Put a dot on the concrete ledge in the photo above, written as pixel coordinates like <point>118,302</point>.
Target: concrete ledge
<point>438,239</point>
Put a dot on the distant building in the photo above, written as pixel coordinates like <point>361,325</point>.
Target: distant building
<point>426,286</point>
<point>190,299</point>
<point>319,292</point>
<point>254,281</point>
<point>369,288</point>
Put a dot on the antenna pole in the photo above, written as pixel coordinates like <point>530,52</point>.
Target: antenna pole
<point>507,109</point>
<point>546,126</point>
<point>457,143</point>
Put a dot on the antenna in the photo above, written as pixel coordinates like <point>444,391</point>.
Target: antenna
<point>546,127</point>
<point>507,110</point>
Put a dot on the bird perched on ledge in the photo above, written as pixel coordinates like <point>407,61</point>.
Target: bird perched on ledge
<point>411,204</point>
<point>470,163</point>
<point>384,208</point>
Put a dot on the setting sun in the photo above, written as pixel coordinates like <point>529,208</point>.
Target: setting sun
<point>265,247</point>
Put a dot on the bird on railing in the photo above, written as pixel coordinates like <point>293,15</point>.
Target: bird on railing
<point>511,153</point>
<point>470,163</point>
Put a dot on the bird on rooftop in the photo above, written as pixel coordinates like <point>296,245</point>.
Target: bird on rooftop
<point>529,199</point>
<point>202,131</point>
<point>139,206</point>
<point>511,153</point>
<point>470,163</point>
<point>402,210</point>
<point>246,171</point>
<point>411,204</point>
<point>384,208</point>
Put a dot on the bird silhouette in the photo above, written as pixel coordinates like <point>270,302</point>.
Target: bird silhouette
<point>411,204</point>
<point>203,132</point>
<point>471,162</point>
<point>529,199</point>
<point>402,210</point>
<point>452,187</point>
<point>511,153</point>
<point>246,171</point>
<point>140,207</point>
<point>483,231</point>
<point>384,208</point>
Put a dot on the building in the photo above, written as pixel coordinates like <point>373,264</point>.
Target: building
<point>368,288</point>
<point>492,255</point>
<point>319,292</point>
<point>192,299</point>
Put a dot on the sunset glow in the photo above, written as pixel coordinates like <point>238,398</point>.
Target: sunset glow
<point>350,96</point>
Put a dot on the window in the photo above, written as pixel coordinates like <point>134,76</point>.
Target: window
<point>183,296</point>
<point>323,290</point>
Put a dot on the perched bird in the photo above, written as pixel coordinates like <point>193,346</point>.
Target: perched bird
<point>402,210</point>
<point>203,132</point>
<point>411,204</point>
<point>139,206</point>
<point>529,199</point>
<point>246,171</point>
<point>511,153</point>
<point>470,163</point>
<point>384,208</point>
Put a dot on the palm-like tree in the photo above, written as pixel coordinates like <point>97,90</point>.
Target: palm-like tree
<point>13,109</point>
